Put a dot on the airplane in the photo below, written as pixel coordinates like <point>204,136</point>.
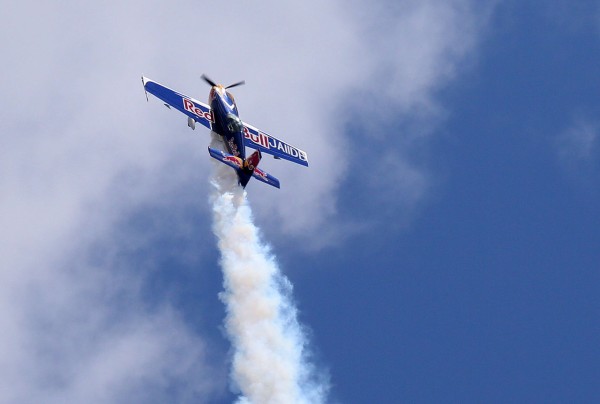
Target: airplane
<point>221,116</point>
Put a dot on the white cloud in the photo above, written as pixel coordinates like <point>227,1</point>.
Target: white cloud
<point>82,150</point>
<point>416,49</point>
<point>577,146</point>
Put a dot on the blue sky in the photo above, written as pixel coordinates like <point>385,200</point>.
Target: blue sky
<point>443,245</point>
<point>491,293</point>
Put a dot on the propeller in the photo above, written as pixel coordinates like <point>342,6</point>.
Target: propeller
<point>239,83</point>
<point>212,83</point>
<point>209,81</point>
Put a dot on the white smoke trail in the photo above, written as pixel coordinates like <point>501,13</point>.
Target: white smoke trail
<point>269,358</point>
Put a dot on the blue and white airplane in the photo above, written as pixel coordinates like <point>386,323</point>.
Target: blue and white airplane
<point>221,116</point>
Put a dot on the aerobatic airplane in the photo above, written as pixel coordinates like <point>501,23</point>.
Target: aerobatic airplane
<point>221,116</point>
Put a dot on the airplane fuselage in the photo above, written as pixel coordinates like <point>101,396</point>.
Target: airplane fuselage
<point>226,121</point>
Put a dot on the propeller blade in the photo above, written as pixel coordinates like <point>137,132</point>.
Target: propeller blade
<point>209,81</point>
<point>239,83</point>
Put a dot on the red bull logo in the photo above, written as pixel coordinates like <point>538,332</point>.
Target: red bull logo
<point>260,173</point>
<point>232,159</point>
<point>189,106</point>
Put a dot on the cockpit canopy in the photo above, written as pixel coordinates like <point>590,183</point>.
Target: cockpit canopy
<point>234,124</point>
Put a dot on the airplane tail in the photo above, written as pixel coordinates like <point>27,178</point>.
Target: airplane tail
<point>245,168</point>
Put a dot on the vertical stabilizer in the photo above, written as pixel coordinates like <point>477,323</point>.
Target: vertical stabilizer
<point>252,161</point>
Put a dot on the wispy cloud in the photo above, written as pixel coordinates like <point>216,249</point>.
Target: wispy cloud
<point>77,332</point>
<point>577,146</point>
<point>411,51</point>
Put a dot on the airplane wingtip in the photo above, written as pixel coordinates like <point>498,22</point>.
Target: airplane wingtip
<point>144,81</point>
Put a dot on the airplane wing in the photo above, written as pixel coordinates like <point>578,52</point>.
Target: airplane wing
<point>194,109</point>
<point>266,143</point>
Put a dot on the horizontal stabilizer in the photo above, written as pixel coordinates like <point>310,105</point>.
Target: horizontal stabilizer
<point>225,158</point>
<point>265,177</point>
<point>243,173</point>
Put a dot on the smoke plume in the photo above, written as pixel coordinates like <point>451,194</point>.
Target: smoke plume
<point>269,348</point>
